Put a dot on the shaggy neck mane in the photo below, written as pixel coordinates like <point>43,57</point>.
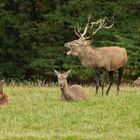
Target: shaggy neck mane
<point>89,55</point>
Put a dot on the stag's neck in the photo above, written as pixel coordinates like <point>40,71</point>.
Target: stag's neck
<point>89,56</point>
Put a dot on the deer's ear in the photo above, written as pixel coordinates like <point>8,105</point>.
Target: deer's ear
<point>1,82</point>
<point>57,73</point>
<point>67,73</point>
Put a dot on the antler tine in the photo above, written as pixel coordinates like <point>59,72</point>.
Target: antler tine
<point>77,30</point>
<point>108,27</point>
<point>96,22</point>
<point>102,25</point>
<point>87,26</point>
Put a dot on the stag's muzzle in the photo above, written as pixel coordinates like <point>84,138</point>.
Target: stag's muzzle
<point>69,53</point>
<point>67,46</point>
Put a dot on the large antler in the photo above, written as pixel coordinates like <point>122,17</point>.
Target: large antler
<point>102,25</point>
<point>78,29</point>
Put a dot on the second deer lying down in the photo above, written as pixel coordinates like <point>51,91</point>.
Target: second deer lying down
<point>3,97</point>
<point>69,93</point>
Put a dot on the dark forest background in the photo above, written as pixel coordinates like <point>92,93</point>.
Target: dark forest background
<point>33,33</point>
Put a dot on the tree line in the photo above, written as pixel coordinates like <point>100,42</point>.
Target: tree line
<point>33,33</point>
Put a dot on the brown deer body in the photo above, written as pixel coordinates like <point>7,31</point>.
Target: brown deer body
<point>3,97</point>
<point>104,59</point>
<point>137,82</point>
<point>69,93</point>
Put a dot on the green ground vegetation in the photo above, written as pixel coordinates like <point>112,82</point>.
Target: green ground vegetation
<point>36,112</point>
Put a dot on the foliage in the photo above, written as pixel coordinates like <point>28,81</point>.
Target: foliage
<point>33,33</point>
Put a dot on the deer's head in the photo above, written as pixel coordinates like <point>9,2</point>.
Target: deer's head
<point>1,88</point>
<point>76,46</point>
<point>1,83</point>
<point>62,78</point>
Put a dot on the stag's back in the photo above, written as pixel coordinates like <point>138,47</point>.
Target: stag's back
<point>112,58</point>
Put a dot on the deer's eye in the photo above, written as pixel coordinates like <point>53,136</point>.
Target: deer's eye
<point>76,43</point>
<point>61,79</point>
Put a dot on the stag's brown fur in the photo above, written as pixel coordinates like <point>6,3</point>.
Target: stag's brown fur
<point>69,93</point>
<point>3,97</point>
<point>108,58</point>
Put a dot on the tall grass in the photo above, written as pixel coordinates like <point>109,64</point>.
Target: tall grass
<point>36,112</point>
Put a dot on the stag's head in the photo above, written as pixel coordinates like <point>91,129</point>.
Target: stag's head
<point>62,78</point>
<point>76,46</point>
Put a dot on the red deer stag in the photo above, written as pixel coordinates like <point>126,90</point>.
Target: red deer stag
<point>3,97</point>
<point>103,59</point>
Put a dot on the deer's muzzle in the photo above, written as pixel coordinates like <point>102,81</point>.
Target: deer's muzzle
<point>67,46</point>
<point>69,53</point>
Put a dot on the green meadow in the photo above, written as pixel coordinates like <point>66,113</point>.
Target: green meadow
<point>36,112</point>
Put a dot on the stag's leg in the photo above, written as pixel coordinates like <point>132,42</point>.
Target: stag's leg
<point>120,75</point>
<point>97,82</point>
<point>111,79</point>
<point>102,82</point>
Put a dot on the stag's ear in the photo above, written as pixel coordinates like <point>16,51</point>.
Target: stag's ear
<point>89,42</point>
<point>67,73</point>
<point>57,73</point>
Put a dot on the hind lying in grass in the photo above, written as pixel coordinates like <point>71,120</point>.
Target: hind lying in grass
<point>3,97</point>
<point>69,93</point>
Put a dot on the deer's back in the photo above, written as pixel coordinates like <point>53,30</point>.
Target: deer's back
<point>137,82</point>
<point>112,58</point>
<point>77,92</point>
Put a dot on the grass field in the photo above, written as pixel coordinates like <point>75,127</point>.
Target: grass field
<point>38,113</point>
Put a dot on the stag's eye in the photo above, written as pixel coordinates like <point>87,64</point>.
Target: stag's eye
<point>76,43</point>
